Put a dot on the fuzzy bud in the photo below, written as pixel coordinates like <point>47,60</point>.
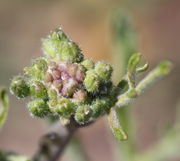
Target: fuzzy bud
<point>19,87</point>
<point>70,52</point>
<point>37,69</point>
<point>91,81</point>
<point>104,70</point>
<point>52,94</point>
<point>38,108</point>
<point>80,95</point>
<point>38,90</point>
<point>88,64</point>
<point>52,44</point>
<point>69,87</point>
<point>101,106</point>
<point>64,107</point>
<point>83,114</point>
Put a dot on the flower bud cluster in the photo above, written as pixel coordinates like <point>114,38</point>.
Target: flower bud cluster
<point>63,83</point>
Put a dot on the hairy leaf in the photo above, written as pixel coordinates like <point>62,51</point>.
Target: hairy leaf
<point>115,126</point>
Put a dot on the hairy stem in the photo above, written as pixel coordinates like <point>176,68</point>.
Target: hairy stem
<point>160,71</point>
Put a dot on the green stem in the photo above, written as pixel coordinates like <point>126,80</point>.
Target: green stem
<point>160,71</point>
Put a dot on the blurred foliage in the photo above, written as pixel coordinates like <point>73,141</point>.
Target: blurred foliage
<point>4,105</point>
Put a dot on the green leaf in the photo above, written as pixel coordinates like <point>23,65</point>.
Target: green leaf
<point>4,106</point>
<point>134,60</point>
<point>115,126</point>
<point>17,158</point>
<point>142,68</point>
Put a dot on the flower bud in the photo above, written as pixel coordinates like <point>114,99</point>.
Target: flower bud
<point>101,106</point>
<point>38,69</point>
<point>39,108</point>
<point>83,114</point>
<point>88,64</point>
<point>58,84</point>
<point>48,78</point>
<point>80,95</point>
<point>52,44</point>
<point>52,94</point>
<point>70,52</point>
<point>56,74</point>
<point>19,87</point>
<point>103,70</point>
<point>38,90</point>
<point>69,87</point>
<point>91,81</point>
<point>64,107</point>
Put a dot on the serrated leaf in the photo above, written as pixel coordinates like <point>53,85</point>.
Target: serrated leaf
<point>115,126</point>
<point>4,106</point>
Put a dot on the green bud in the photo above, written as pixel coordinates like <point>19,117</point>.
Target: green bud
<point>38,69</point>
<point>19,87</point>
<point>101,106</point>
<point>52,43</point>
<point>64,107</point>
<point>50,47</point>
<point>52,104</point>
<point>97,108</point>
<point>91,81</point>
<point>88,64</point>
<point>38,90</point>
<point>83,114</point>
<point>39,108</point>
<point>104,70</point>
<point>52,94</point>
<point>58,34</point>
<point>70,52</point>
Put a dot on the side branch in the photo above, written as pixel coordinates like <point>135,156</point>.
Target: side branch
<point>160,71</point>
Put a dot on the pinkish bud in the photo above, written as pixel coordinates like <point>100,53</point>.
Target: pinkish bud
<point>56,74</point>
<point>72,70</point>
<point>58,84</point>
<point>69,86</point>
<point>64,76</point>
<point>63,66</point>
<point>80,95</point>
<point>52,65</point>
<point>79,75</point>
<point>48,78</point>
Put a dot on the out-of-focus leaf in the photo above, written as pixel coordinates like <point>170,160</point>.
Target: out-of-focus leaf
<point>4,106</point>
<point>115,126</point>
<point>17,158</point>
<point>9,156</point>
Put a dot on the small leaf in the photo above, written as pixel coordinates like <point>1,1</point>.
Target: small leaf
<point>115,126</point>
<point>142,68</point>
<point>4,106</point>
<point>134,60</point>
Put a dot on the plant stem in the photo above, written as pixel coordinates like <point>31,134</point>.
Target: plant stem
<point>53,144</point>
<point>160,71</point>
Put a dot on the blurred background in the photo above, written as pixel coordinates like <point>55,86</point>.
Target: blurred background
<point>96,26</point>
